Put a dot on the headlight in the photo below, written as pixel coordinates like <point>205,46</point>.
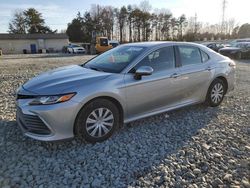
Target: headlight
<point>53,99</point>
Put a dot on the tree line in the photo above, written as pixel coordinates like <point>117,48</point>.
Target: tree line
<point>131,23</point>
<point>139,23</point>
<point>127,24</point>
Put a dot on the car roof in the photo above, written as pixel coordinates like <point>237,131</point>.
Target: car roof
<point>243,42</point>
<point>206,43</point>
<point>160,43</point>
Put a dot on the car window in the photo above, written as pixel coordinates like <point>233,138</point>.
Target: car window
<point>241,45</point>
<point>189,55</point>
<point>204,56</point>
<point>210,46</point>
<point>159,60</point>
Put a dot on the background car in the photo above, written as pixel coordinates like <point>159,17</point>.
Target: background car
<point>75,49</point>
<point>214,45</point>
<point>126,83</point>
<point>239,50</point>
<point>234,42</point>
<point>114,43</point>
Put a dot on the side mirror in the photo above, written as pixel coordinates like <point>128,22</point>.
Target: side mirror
<point>143,71</point>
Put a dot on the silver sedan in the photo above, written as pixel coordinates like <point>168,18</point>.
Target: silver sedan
<point>124,84</point>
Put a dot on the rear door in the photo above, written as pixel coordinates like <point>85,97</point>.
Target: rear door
<point>195,73</point>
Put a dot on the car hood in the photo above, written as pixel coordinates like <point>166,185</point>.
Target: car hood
<point>58,80</point>
<point>229,49</point>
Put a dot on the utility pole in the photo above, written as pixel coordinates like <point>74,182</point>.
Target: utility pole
<point>224,2</point>
<point>195,24</point>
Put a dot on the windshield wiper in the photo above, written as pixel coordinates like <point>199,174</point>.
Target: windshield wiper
<point>93,68</point>
<point>96,69</point>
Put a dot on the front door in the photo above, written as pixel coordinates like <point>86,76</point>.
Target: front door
<point>154,92</point>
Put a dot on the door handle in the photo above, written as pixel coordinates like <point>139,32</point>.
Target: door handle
<point>209,68</point>
<point>175,75</point>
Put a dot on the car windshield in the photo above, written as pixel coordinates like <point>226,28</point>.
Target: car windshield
<point>115,60</point>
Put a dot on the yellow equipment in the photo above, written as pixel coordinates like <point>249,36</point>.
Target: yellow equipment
<point>102,44</point>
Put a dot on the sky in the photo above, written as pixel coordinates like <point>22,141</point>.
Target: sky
<point>58,13</point>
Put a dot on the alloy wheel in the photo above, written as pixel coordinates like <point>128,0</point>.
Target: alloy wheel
<point>99,122</point>
<point>217,93</point>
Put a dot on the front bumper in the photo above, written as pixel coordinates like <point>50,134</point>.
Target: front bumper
<point>32,124</point>
<point>47,122</point>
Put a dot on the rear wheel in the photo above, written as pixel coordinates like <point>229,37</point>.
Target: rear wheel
<point>216,92</point>
<point>97,120</point>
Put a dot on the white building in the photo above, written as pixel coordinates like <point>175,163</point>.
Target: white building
<point>32,43</point>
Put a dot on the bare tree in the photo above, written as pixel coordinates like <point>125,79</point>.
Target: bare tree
<point>18,23</point>
<point>122,18</point>
<point>130,21</point>
<point>182,22</point>
<point>231,25</point>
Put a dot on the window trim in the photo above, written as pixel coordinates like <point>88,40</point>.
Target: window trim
<point>177,57</point>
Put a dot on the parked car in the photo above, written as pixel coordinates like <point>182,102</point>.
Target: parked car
<point>240,40</point>
<point>75,49</point>
<point>214,45</point>
<point>114,43</point>
<point>126,83</point>
<point>239,50</point>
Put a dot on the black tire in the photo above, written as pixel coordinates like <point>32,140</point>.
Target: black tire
<point>85,113</point>
<point>210,98</point>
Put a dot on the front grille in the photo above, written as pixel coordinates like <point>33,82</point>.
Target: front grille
<point>32,124</point>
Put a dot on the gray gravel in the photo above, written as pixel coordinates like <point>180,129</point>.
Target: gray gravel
<point>197,146</point>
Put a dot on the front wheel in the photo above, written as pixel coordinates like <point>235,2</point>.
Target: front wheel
<point>97,121</point>
<point>216,93</point>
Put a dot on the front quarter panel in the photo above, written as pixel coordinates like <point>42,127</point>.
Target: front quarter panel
<point>112,86</point>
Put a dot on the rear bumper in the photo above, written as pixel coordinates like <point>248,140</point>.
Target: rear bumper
<point>231,80</point>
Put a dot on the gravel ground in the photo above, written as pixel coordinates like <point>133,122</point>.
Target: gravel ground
<point>196,146</point>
